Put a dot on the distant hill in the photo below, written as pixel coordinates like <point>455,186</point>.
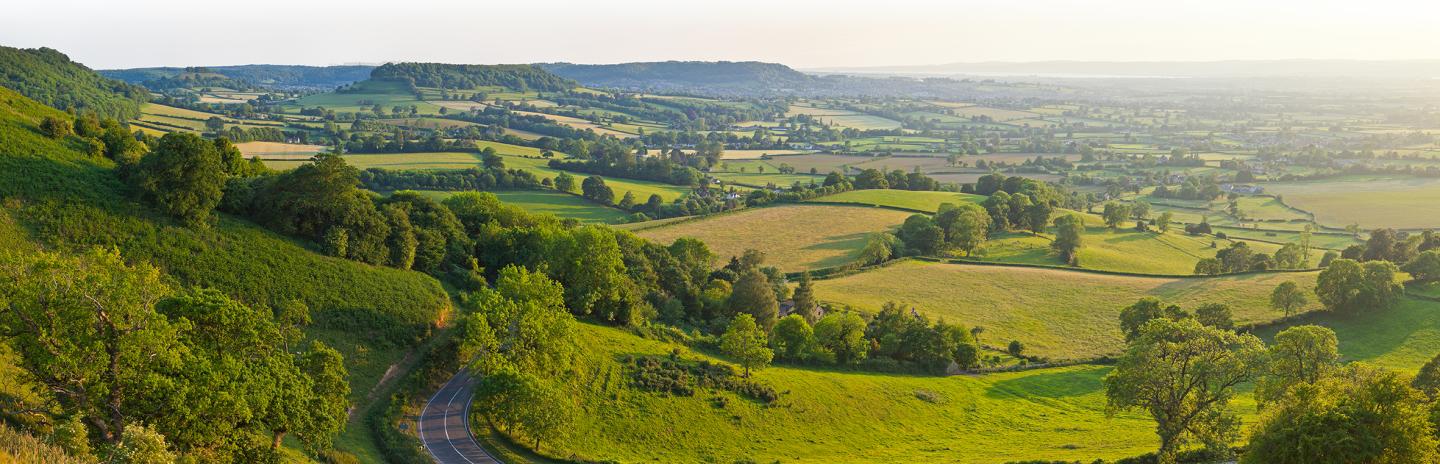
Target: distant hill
<point>680,75</point>
<point>1402,69</point>
<point>748,79</point>
<point>286,77</point>
<point>48,76</point>
<point>469,76</point>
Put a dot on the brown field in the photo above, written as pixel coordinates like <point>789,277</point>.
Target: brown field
<point>277,150</point>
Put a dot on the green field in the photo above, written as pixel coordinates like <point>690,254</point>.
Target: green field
<point>793,237</point>
<point>1059,314</point>
<point>1122,250</point>
<point>756,179</point>
<point>907,199</point>
<point>641,188</point>
<point>550,202</point>
<point>1372,202</point>
<point>364,95</point>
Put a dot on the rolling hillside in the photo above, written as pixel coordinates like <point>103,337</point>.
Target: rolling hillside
<point>49,77</point>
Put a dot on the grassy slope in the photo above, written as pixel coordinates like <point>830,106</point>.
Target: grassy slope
<point>924,201</point>
<point>1055,313</point>
<point>793,237</point>
<point>57,197</point>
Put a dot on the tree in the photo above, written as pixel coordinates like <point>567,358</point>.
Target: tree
<point>1359,414</point>
<point>55,128</point>
<point>522,323</point>
<point>841,336</point>
<point>804,298</point>
<point>1427,380</point>
<point>1287,297</point>
<point>1115,213</point>
<point>215,124</point>
<point>1069,237</point>
<point>753,295</point>
<point>1289,256</point>
<point>1134,317</point>
<point>920,233</point>
<point>565,182</point>
<point>1015,348</point>
<point>1184,374</point>
<point>744,340</point>
<point>1349,286</point>
<point>1163,222</point>
<point>1301,355</point>
<point>965,226</point>
<point>1140,209</point>
<point>879,247</point>
<point>1425,268</point>
<point>1215,315</point>
<point>184,176</point>
<point>1037,215</point>
<point>142,445</point>
<point>793,338</point>
<point>594,188</point>
<point>627,202</point>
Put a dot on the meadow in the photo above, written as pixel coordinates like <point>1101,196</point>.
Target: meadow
<point>278,150</point>
<point>1059,314</point>
<point>561,205</point>
<point>905,199</point>
<point>1372,202</point>
<point>793,237</point>
<point>844,118</point>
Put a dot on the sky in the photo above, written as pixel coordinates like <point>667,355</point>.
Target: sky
<point>105,34</point>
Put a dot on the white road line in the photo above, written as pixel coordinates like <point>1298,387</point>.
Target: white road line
<point>446,424</point>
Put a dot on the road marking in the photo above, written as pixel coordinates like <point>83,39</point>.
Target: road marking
<point>446,423</point>
<point>485,456</point>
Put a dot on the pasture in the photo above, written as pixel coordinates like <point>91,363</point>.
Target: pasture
<point>844,118</point>
<point>906,199</point>
<point>793,237</point>
<point>278,150</point>
<point>1056,313</point>
<point>1122,250</point>
<point>561,205</point>
<point>1371,202</point>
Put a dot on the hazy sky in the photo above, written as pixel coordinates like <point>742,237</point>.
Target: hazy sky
<point>801,33</point>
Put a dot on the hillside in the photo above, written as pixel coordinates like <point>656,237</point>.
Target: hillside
<point>57,197</point>
<point>49,76</point>
<point>285,77</point>
<point>470,76</point>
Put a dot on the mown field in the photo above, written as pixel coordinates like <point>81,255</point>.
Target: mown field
<point>551,202</point>
<point>1372,202</point>
<point>1123,249</point>
<point>1058,314</point>
<point>923,201</point>
<point>793,237</point>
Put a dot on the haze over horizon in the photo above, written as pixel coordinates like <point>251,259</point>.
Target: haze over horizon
<point>803,34</point>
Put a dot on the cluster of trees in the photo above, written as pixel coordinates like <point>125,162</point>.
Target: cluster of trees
<point>962,227</point>
<point>493,176</point>
<point>896,179</point>
<point>130,363</point>
<point>400,140</point>
<point>1194,188</point>
<point>1239,257</point>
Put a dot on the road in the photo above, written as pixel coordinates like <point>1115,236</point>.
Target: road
<point>444,425</point>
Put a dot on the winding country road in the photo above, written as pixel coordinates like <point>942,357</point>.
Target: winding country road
<point>444,425</point>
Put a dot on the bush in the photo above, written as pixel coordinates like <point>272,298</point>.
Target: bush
<point>680,378</point>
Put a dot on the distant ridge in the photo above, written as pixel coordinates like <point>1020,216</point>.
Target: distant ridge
<point>680,74</point>
<point>1401,69</point>
<point>278,76</point>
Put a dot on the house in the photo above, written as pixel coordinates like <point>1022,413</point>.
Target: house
<point>1242,189</point>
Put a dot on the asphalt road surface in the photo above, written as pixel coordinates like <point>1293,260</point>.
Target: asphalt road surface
<point>444,426</point>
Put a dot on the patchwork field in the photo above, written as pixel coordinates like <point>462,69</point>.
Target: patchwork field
<point>844,118</point>
<point>277,150</point>
<point>1056,313</point>
<point>793,237</point>
<point>916,200</point>
<point>550,202</point>
<point>1122,250</point>
<point>1372,202</point>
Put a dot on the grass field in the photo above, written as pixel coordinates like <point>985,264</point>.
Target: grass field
<point>278,150</point>
<point>550,202</point>
<point>828,416</point>
<point>755,154</point>
<point>844,118</point>
<point>793,237</point>
<point>924,201</point>
<point>1056,313</point>
<point>757,179</point>
<point>1372,202</point>
<point>641,188</point>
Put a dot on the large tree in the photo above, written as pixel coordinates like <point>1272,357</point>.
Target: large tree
<point>1069,237</point>
<point>1183,374</point>
<point>745,341</point>
<point>841,337</point>
<point>965,226</point>
<point>1287,297</point>
<point>183,175</point>
<point>753,295</point>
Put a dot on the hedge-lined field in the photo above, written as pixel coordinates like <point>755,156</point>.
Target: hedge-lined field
<point>793,237</point>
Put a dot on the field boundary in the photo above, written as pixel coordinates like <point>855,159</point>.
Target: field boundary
<point>964,261</point>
